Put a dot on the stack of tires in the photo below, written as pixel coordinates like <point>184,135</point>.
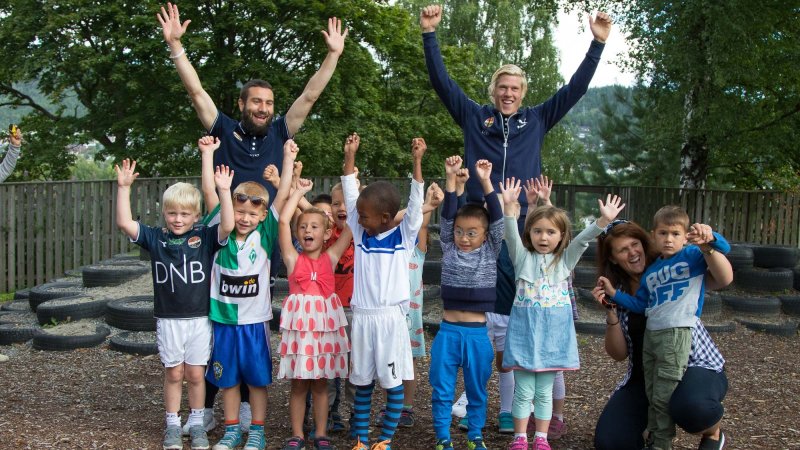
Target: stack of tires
<point>62,314</point>
<point>767,276</point>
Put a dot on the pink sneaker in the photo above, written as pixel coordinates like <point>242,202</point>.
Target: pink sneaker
<point>519,443</point>
<point>556,429</point>
<point>540,444</point>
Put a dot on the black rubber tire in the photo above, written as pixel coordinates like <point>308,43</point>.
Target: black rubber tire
<point>126,257</point>
<point>22,294</point>
<point>595,328</point>
<point>769,256</point>
<point>102,275</point>
<point>712,305</point>
<point>790,304</point>
<point>434,250</point>
<point>777,329</point>
<point>12,333</point>
<point>75,273</point>
<point>585,298</point>
<point>70,309</point>
<point>740,256</point>
<point>121,343</point>
<point>55,342</point>
<point>590,255</point>
<point>432,272</point>
<point>796,282</point>
<point>764,280</point>
<point>47,291</point>
<point>757,305</point>
<point>721,327</point>
<point>120,314</point>
<point>16,306</point>
<point>584,276</point>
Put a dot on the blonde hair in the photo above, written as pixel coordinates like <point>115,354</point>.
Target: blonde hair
<point>181,195</point>
<point>671,215</point>
<point>253,189</point>
<point>559,218</point>
<point>508,69</point>
<point>326,220</point>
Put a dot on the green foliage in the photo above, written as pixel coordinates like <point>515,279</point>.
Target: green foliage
<point>721,89</point>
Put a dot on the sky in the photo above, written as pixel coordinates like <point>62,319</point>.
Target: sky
<point>572,39</point>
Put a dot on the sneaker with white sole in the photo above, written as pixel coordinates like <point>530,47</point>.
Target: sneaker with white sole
<point>255,438</point>
<point>199,438</point>
<point>245,417</point>
<point>209,422</point>
<point>231,439</point>
<point>172,438</point>
<point>460,406</point>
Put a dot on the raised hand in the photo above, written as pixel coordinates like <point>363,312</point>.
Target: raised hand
<point>297,170</point>
<point>418,147</point>
<point>452,164</point>
<point>170,20</point>
<point>538,189</point>
<point>334,38</point>
<point>290,149</point>
<point>304,185</point>
<point>223,177</point>
<point>699,234</point>
<point>15,136</point>
<point>208,144</point>
<point>434,195</point>
<point>510,190</point>
<point>599,294</point>
<point>605,285</point>
<point>429,18</point>
<point>484,169</point>
<point>271,175</point>
<point>351,144</point>
<point>127,173</point>
<point>600,26</point>
<point>609,209</point>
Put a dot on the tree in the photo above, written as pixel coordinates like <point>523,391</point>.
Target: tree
<point>727,73</point>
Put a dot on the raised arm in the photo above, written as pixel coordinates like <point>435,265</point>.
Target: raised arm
<point>336,250</point>
<point>334,38</point>
<point>173,30</point>
<point>223,177</point>
<point>10,160</point>
<point>538,189</point>
<point>714,248</point>
<point>290,150</point>
<point>207,146</point>
<point>125,177</point>
<point>288,252</point>
<point>615,344</point>
<point>433,198</point>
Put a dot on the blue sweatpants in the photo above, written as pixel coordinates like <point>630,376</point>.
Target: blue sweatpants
<point>469,348</point>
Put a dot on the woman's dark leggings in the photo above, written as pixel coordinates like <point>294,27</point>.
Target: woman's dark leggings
<point>696,405</point>
<point>211,393</point>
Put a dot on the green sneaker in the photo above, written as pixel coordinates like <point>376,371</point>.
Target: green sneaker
<point>476,443</point>
<point>255,439</point>
<point>444,444</point>
<point>199,437</point>
<point>231,439</point>
<point>505,423</point>
<point>172,438</point>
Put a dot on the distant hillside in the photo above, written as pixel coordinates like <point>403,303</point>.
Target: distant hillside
<point>584,119</point>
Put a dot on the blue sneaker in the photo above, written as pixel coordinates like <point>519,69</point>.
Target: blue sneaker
<point>505,423</point>
<point>463,424</point>
<point>199,437</point>
<point>231,439</point>
<point>444,444</point>
<point>255,438</point>
<point>476,444</point>
<point>172,438</point>
<point>335,423</point>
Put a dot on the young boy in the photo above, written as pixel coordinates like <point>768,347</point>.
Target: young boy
<point>241,305</point>
<point>181,255</point>
<point>471,238</point>
<point>671,295</point>
<point>380,342</point>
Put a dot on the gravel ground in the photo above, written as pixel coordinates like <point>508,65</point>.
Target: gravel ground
<point>101,399</point>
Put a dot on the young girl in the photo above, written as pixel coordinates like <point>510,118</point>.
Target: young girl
<point>541,336</point>
<point>314,344</point>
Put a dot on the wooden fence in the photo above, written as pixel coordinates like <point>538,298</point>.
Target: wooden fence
<point>51,227</point>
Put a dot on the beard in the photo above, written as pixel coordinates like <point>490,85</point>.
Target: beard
<point>251,128</point>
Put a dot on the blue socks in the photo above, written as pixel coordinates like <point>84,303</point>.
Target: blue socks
<point>394,406</point>
<point>361,407</point>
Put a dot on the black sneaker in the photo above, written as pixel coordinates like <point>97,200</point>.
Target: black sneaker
<point>710,444</point>
<point>323,443</point>
<point>294,443</point>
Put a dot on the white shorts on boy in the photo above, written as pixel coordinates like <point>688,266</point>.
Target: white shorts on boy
<point>496,326</point>
<point>184,341</point>
<point>380,347</point>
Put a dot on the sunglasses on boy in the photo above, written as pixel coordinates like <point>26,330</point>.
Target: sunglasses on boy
<point>254,199</point>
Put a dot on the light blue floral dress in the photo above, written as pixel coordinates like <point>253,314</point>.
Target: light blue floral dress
<point>541,333</point>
